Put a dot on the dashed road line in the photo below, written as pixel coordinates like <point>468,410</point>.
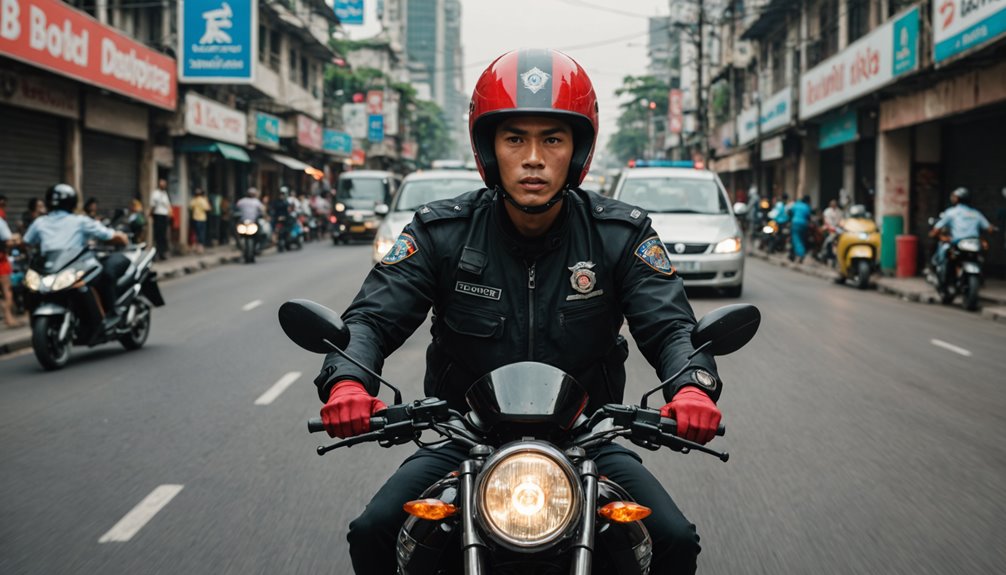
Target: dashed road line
<point>277,388</point>
<point>251,305</point>
<point>951,347</point>
<point>140,515</point>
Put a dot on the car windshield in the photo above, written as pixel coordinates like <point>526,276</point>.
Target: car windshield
<point>418,193</point>
<point>674,195</point>
<point>362,192</point>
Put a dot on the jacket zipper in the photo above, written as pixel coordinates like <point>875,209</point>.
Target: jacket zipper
<point>530,312</point>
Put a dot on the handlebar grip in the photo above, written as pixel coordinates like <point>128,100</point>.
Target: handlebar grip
<point>314,425</point>
<point>671,426</point>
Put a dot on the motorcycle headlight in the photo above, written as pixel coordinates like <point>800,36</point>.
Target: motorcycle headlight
<point>769,230</point>
<point>32,280</point>
<point>242,228</point>
<point>64,279</point>
<point>340,207</point>
<point>382,245</point>
<point>728,246</point>
<point>864,235</point>
<point>528,496</point>
<point>969,245</point>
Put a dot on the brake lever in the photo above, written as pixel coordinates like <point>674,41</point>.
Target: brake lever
<point>351,441</point>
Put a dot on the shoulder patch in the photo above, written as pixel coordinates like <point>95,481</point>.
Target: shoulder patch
<point>654,254</point>
<point>405,246</point>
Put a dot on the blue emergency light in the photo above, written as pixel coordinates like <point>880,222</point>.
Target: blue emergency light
<point>661,164</point>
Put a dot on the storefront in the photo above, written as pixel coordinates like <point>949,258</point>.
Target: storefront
<point>85,119</point>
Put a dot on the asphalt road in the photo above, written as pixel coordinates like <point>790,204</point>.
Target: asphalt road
<point>858,444</point>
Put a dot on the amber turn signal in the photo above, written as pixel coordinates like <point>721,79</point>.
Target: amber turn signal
<point>624,512</point>
<point>432,509</point>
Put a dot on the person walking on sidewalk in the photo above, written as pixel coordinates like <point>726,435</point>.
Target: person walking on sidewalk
<point>200,207</point>
<point>6,241</point>
<point>160,211</point>
<point>799,214</point>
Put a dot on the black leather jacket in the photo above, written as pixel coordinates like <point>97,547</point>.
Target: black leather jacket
<point>498,298</point>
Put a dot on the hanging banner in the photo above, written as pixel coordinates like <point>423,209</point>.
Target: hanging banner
<point>776,112</point>
<point>867,65</point>
<point>217,41</point>
<point>309,133</point>
<point>211,119</point>
<point>960,25</point>
<point>675,111</point>
<point>375,128</point>
<point>53,36</point>
<point>350,12</point>
<point>267,129</point>
<point>354,118</point>
<point>337,142</point>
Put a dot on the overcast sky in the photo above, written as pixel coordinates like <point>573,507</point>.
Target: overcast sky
<point>607,38</point>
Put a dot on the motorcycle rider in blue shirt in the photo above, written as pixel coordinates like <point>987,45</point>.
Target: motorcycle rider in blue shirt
<point>61,230</point>
<point>963,221</point>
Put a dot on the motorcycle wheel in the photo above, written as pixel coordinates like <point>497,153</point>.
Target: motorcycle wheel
<point>49,350</point>
<point>249,251</point>
<point>971,296</point>
<point>863,274</point>
<point>139,329</point>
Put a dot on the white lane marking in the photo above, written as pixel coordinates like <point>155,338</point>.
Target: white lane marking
<point>140,515</point>
<point>277,388</point>
<point>951,347</point>
<point>251,305</point>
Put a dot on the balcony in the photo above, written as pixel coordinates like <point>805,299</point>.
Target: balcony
<point>766,16</point>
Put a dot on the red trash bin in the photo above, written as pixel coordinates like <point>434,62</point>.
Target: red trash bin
<point>907,256</point>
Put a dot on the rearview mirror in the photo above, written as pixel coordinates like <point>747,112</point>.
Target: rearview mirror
<point>309,324</point>
<point>740,209</point>
<point>727,329</point>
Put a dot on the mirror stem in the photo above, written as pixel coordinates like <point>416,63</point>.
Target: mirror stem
<point>398,394</point>
<point>642,402</point>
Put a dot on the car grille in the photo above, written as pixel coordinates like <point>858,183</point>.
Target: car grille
<point>689,248</point>
<point>697,276</point>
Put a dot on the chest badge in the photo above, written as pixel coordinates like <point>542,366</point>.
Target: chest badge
<point>583,279</point>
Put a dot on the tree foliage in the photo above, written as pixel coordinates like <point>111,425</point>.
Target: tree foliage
<point>631,138</point>
<point>431,133</point>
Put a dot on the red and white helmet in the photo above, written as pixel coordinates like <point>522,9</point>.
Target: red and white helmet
<point>533,82</point>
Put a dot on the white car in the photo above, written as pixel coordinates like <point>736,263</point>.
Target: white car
<point>417,190</point>
<point>692,215</point>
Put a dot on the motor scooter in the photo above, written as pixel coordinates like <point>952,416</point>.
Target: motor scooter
<point>857,249</point>
<point>961,271</point>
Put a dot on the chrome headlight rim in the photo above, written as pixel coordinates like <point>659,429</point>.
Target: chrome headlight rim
<point>521,448</point>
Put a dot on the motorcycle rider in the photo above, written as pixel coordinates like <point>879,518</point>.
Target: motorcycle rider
<point>61,229</point>
<point>529,268</point>
<point>279,213</point>
<point>250,208</point>
<point>963,221</point>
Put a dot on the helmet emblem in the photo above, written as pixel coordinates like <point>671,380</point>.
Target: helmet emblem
<point>534,79</point>
<point>583,279</point>
<point>679,248</point>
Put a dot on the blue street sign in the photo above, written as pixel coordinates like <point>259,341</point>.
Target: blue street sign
<point>375,128</point>
<point>267,129</point>
<point>839,128</point>
<point>217,41</point>
<point>338,142</point>
<point>350,12</point>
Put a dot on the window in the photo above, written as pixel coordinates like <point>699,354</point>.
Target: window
<point>293,65</point>
<point>828,28</point>
<point>263,44</point>
<point>858,13</point>
<point>305,73</point>
<point>778,65</point>
<point>274,47</point>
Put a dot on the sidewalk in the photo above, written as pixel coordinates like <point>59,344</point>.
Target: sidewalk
<point>992,295</point>
<point>19,338</point>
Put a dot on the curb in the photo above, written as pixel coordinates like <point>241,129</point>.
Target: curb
<point>206,262</point>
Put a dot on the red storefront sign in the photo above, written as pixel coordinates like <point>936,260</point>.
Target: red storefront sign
<point>52,35</point>
<point>675,111</point>
<point>375,102</point>
<point>359,157</point>
<point>309,133</point>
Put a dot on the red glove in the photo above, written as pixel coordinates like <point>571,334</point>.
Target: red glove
<point>696,414</point>
<point>349,408</point>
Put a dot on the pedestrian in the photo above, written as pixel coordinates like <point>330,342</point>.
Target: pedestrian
<point>160,211</point>
<point>225,221</point>
<point>137,222</point>
<point>7,241</point>
<point>91,208</point>
<point>532,227</point>
<point>35,209</point>
<point>833,216</point>
<point>200,207</point>
<point>799,214</point>
<point>3,207</point>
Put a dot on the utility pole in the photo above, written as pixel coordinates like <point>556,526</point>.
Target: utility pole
<point>700,121</point>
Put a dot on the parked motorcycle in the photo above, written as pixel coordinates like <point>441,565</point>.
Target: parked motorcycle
<point>66,309</point>
<point>529,498</point>
<point>773,237</point>
<point>248,238</point>
<point>857,249</point>
<point>961,272</point>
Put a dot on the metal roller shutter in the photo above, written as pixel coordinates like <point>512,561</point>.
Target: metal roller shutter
<point>111,170</point>
<point>31,156</point>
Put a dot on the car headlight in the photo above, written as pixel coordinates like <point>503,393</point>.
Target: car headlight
<point>527,498</point>
<point>32,280</point>
<point>340,207</point>
<point>382,245</point>
<point>728,246</point>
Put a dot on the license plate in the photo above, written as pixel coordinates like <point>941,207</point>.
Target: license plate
<point>687,266</point>
<point>357,229</point>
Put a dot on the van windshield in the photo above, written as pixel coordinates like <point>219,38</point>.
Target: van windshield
<point>362,192</point>
<point>674,196</point>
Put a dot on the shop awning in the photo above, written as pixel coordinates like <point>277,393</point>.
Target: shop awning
<point>228,151</point>
<point>289,162</point>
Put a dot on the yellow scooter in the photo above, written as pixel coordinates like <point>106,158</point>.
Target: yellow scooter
<point>857,250</point>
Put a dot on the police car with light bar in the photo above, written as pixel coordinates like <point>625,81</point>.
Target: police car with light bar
<point>691,213</point>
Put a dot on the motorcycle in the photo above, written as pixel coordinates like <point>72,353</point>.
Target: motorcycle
<point>248,238</point>
<point>529,498</point>
<point>961,271</point>
<point>66,309</point>
<point>857,250</point>
<point>773,237</point>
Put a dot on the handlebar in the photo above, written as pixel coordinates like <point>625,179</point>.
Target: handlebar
<point>315,425</point>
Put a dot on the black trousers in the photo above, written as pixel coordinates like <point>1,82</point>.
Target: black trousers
<point>161,235</point>
<point>112,268</point>
<point>372,536</point>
